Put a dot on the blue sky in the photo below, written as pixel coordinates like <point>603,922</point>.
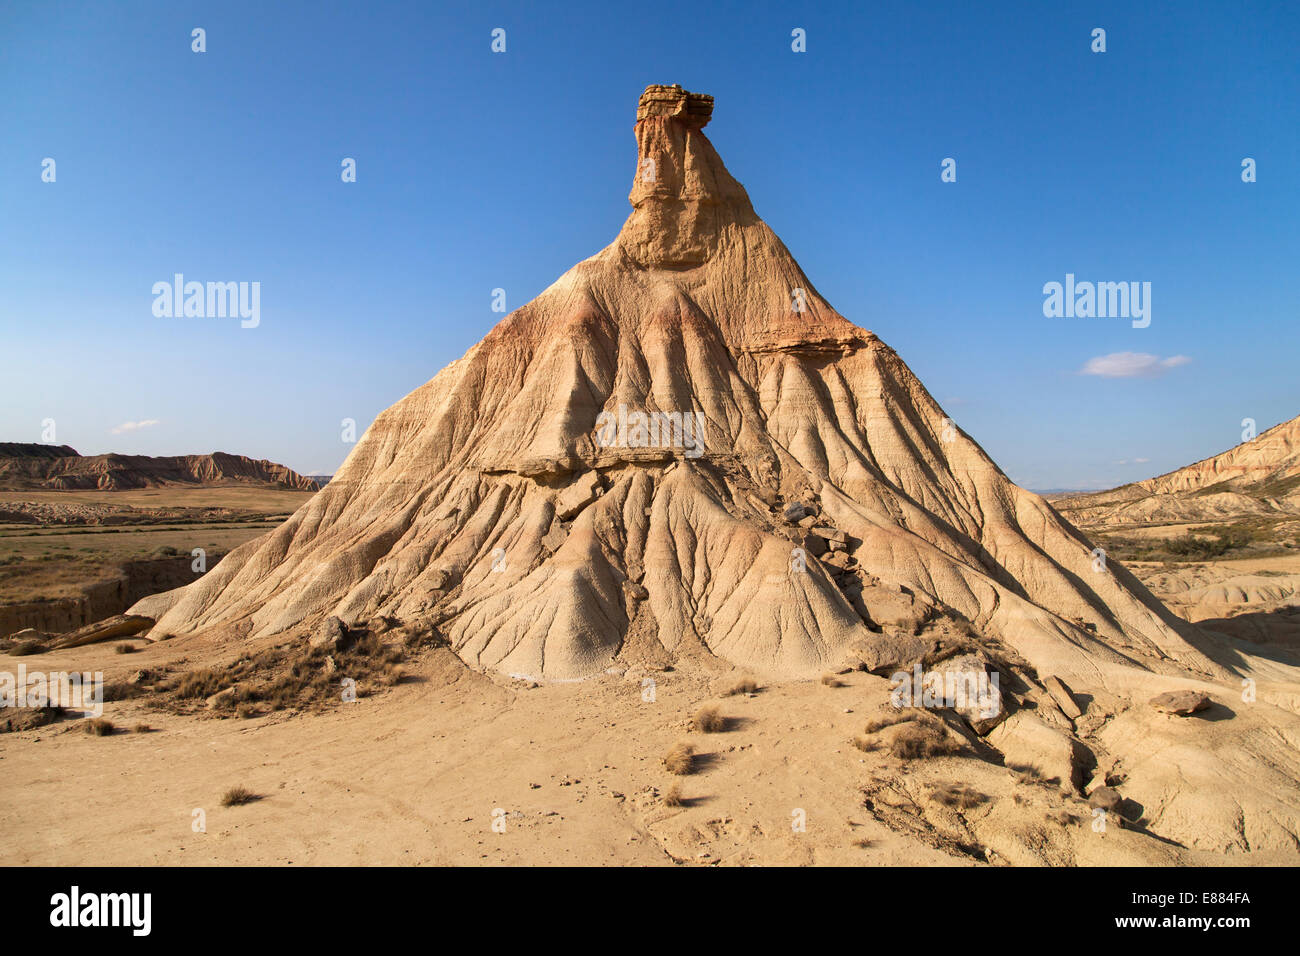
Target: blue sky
<point>478,170</point>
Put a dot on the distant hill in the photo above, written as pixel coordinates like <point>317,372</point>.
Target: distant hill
<point>33,467</point>
<point>1257,477</point>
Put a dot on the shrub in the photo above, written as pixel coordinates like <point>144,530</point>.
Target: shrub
<point>120,690</point>
<point>237,796</point>
<point>958,796</point>
<point>708,720</point>
<point>914,740</point>
<point>200,684</point>
<point>830,680</point>
<point>746,685</point>
<point>124,648</point>
<point>680,759</point>
<point>98,727</point>
<point>673,798</point>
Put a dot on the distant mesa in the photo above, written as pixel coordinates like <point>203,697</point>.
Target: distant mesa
<point>1259,477</point>
<point>35,467</point>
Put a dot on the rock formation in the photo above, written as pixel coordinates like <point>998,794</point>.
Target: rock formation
<point>1257,477</point>
<point>30,467</point>
<point>543,501</point>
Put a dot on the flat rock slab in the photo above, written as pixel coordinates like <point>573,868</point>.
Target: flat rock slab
<point>1063,696</point>
<point>119,625</point>
<point>1182,703</point>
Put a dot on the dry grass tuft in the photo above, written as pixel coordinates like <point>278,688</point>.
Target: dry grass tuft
<point>863,843</point>
<point>673,798</point>
<point>746,685</point>
<point>237,797</point>
<point>98,727</point>
<point>914,740</point>
<point>680,760</point>
<point>200,684</point>
<point>866,744</point>
<point>142,729</point>
<point>901,716</point>
<point>830,680</point>
<point>124,648</point>
<point>708,720</point>
<point>958,796</point>
<point>293,676</point>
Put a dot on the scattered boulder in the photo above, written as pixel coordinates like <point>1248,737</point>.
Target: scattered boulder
<point>835,540</point>
<point>1063,696</point>
<point>331,634</point>
<point>584,490</point>
<point>119,625</point>
<point>814,545</point>
<point>1105,798</point>
<point>965,684</point>
<point>222,699</point>
<point>555,537</point>
<point>885,654</point>
<point>1182,703</point>
<point>839,559</point>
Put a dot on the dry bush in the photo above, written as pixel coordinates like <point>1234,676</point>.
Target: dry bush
<point>200,684</point>
<point>124,648</point>
<point>680,759</point>
<point>865,744</point>
<point>862,843</point>
<point>1031,774</point>
<point>901,716</point>
<point>958,796</point>
<point>120,690</point>
<point>673,798</point>
<point>708,720</point>
<point>294,675</point>
<point>915,739</point>
<point>237,796</point>
<point>28,718</point>
<point>142,729</point>
<point>746,685</point>
<point>247,711</point>
<point>98,727</point>
<point>830,680</point>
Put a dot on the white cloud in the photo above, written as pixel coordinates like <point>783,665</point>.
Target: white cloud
<point>134,426</point>
<point>1141,461</point>
<point>1131,365</point>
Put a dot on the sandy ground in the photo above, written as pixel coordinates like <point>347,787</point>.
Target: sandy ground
<point>413,775</point>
